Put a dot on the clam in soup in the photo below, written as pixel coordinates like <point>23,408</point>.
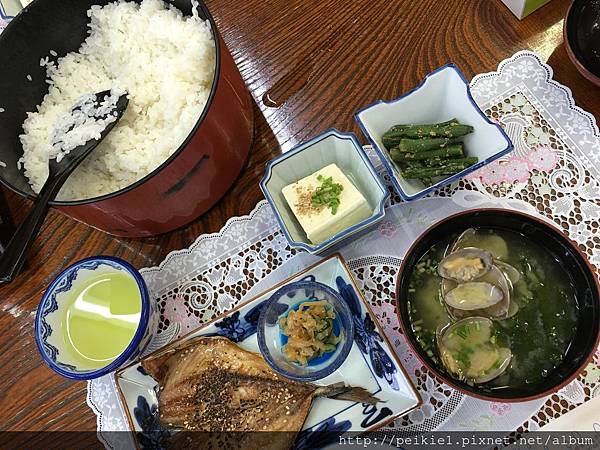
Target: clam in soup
<point>492,308</point>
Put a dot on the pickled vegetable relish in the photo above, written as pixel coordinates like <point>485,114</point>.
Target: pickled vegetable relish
<point>309,330</point>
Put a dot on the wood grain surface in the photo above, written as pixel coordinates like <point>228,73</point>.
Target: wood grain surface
<point>329,58</point>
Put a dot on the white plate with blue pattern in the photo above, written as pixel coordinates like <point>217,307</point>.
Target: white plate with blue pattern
<point>371,364</point>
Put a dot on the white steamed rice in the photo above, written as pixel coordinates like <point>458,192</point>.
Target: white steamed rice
<point>87,120</point>
<point>166,63</point>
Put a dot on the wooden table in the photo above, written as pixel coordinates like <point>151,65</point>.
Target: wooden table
<point>334,57</point>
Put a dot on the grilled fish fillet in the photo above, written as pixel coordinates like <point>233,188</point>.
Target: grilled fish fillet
<point>210,384</point>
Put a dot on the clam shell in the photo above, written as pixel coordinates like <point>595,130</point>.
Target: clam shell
<point>461,241</point>
<point>511,273</point>
<point>498,311</point>
<point>466,264</point>
<point>489,242</point>
<point>504,357</point>
<point>497,277</point>
<point>474,295</point>
<point>513,309</point>
<point>486,360</point>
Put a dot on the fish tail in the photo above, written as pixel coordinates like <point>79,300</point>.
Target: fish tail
<point>340,391</point>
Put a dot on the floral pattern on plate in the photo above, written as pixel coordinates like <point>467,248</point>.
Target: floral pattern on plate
<point>370,364</point>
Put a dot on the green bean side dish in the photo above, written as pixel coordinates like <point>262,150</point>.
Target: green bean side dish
<point>426,151</point>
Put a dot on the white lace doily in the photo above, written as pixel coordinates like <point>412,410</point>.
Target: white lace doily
<point>554,171</point>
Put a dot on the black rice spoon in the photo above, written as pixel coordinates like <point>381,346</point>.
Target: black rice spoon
<point>11,261</point>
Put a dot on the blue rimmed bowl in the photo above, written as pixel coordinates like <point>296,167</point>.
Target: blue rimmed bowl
<point>443,95</point>
<point>50,319</point>
<point>331,147</point>
<point>271,340</point>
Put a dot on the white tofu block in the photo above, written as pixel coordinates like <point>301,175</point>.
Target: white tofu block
<point>320,226</point>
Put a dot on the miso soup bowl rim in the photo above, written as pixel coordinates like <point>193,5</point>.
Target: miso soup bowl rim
<point>135,340</point>
<point>405,271</point>
<point>571,46</point>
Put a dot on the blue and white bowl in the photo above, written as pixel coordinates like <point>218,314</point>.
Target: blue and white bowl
<point>443,95</point>
<point>331,147</point>
<point>271,340</point>
<point>51,341</point>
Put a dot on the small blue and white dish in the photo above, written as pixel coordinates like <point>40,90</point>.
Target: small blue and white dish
<point>54,340</point>
<point>372,364</point>
<point>443,95</point>
<point>331,147</point>
<point>271,340</point>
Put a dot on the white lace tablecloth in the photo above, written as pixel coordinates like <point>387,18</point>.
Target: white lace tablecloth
<point>554,171</point>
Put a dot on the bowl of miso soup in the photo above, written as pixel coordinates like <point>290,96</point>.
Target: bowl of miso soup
<point>94,317</point>
<point>499,304</point>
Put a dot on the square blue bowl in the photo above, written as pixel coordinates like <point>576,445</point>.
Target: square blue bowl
<point>443,95</point>
<point>331,147</point>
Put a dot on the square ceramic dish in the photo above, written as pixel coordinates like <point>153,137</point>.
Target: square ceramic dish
<point>443,95</point>
<point>371,364</point>
<point>342,149</point>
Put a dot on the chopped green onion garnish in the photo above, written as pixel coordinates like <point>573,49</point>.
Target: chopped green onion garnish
<point>328,194</point>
